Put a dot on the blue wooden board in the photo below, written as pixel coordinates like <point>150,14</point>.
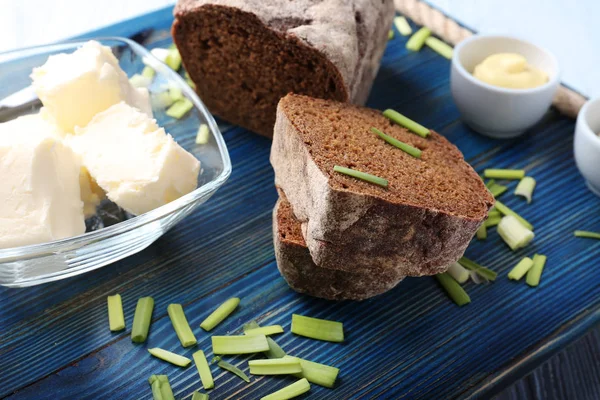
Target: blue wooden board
<point>411,342</point>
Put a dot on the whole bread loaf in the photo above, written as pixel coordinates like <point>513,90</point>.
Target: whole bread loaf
<point>304,276</point>
<point>244,55</point>
<point>419,225</point>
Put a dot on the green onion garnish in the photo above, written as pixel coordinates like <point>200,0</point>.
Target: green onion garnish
<point>173,59</point>
<point>200,396</point>
<point>495,188</point>
<point>319,374</point>
<point>504,173</point>
<point>170,357</point>
<point>413,151</point>
<point>361,175</point>
<point>525,188</point>
<point>442,48</point>
<point>203,370</point>
<point>203,135</point>
<point>161,389</point>
<point>514,234</point>
<point>179,108</point>
<point>390,34</point>
<point>587,234</point>
<point>316,328</point>
<point>492,221</point>
<point>458,272</point>
<point>176,93</point>
<point>116,319</point>
<point>140,81</point>
<point>507,211</point>
<point>520,269</point>
<point>232,368</point>
<point>454,290</point>
<point>180,323</point>
<point>494,213</point>
<point>141,319</point>
<point>220,314</point>
<point>402,25</point>
<point>535,272</point>
<point>290,391</point>
<point>250,325</point>
<point>275,351</point>
<point>161,100</point>
<point>408,123</point>
<point>276,366</point>
<point>482,232</point>
<point>239,344</point>
<point>265,330</point>
<point>417,40</point>
<point>480,270</point>
<point>148,72</point>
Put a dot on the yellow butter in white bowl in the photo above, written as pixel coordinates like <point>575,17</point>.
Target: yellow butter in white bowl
<point>509,70</point>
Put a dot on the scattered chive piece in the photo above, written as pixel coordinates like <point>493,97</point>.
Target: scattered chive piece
<point>215,359</point>
<point>454,290</point>
<point>535,272</point>
<point>495,188</point>
<point>493,221</point>
<point>290,391</point>
<point>141,319</point>
<point>525,188</point>
<point>116,319</point>
<point>180,108</point>
<point>156,392</point>
<point>200,396</point>
<point>222,312</point>
<point>275,351</point>
<point>390,34</point>
<point>148,72</point>
<point>476,278</point>
<point>413,151</point>
<point>161,100</point>
<point>316,328</point>
<point>417,40</point>
<point>494,213</point>
<point>458,272</point>
<point>587,234</point>
<point>482,232</point>
<point>232,368</point>
<point>180,323</point>
<point>480,270</point>
<point>203,135</point>
<point>504,173</point>
<point>203,370</point>
<point>361,175</point>
<point>176,94</point>
<point>514,234</point>
<point>408,123</point>
<point>239,344</point>
<point>442,48</point>
<point>520,269</point>
<point>161,389</point>
<point>173,59</point>
<point>402,25</point>
<point>276,366</point>
<point>139,81</point>
<point>170,357</point>
<point>507,211</point>
<point>319,374</point>
<point>265,330</point>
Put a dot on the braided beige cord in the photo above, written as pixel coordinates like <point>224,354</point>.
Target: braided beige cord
<point>566,100</point>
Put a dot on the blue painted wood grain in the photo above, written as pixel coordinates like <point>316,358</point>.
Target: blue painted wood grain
<point>409,343</point>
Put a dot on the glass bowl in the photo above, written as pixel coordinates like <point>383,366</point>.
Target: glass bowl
<point>112,234</point>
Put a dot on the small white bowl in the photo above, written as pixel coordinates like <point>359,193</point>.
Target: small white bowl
<point>495,111</point>
<point>587,144</point>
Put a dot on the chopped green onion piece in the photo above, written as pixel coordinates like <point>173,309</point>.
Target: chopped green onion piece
<point>200,396</point>
<point>402,25</point>
<point>179,108</point>
<point>525,188</point>
<point>290,391</point>
<point>504,173</point>
<point>276,366</point>
<point>494,213</point>
<point>180,323</point>
<point>535,272</point>
<point>480,270</point>
<point>265,330</point>
<point>141,319</point>
<point>319,374</point>
<point>116,319</point>
<point>215,359</point>
<point>507,211</point>
<point>413,151</point>
<point>161,100</point>
<point>495,188</point>
<point>520,269</point>
<point>139,81</point>
<point>454,290</point>
<point>390,34</point>
<point>482,232</point>
<point>220,314</point>
<point>587,234</point>
<point>148,72</point>
<point>173,59</point>
<point>275,351</point>
<point>514,234</point>
<point>203,370</point>
<point>176,93</point>
<point>408,123</point>
<point>156,392</point>
<point>442,48</point>
<point>458,272</point>
<point>239,344</point>
<point>232,368</point>
<point>361,175</point>
<point>161,389</point>
<point>493,221</point>
<point>170,357</point>
<point>417,40</point>
<point>203,135</point>
<point>316,328</point>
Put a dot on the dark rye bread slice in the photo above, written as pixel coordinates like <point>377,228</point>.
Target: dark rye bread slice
<point>419,225</point>
<point>304,276</point>
<point>244,55</point>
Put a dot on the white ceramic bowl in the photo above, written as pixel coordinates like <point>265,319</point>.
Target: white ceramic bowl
<point>587,144</point>
<point>495,111</point>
